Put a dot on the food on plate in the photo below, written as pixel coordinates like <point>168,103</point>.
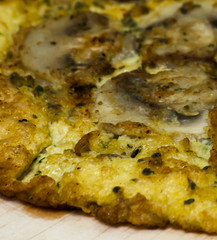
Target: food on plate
<point>110,107</point>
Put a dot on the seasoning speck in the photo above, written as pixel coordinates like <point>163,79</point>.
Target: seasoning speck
<point>23,120</point>
<point>192,184</point>
<point>136,152</point>
<point>156,155</point>
<point>147,171</point>
<point>206,167</point>
<point>189,201</point>
<point>116,189</point>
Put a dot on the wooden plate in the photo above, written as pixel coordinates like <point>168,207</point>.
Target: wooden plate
<point>24,222</point>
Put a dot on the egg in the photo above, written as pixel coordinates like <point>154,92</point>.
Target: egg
<point>110,106</point>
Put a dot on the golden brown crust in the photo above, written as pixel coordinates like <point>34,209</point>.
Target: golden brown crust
<point>84,142</point>
<point>137,210</point>
<point>41,191</point>
<point>23,130</point>
<point>118,172</point>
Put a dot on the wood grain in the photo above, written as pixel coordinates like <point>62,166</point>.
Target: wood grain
<point>24,222</point>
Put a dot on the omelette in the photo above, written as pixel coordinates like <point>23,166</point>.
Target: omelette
<point>110,107</point>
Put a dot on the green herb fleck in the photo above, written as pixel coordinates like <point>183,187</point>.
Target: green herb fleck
<point>147,171</point>
<point>192,184</point>
<point>38,173</point>
<point>40,161</point>
<point>134,180</point>
<point>156,155</point>
<point>116,189</point>
<point>38,91</point>
<point>179,89</point>
<point>189,201</point>
<point>208,142</point>
<point>164,87</point>
<point>128,21</point>
<point>103,144</point>
<point>141,160</point>
<point>122,67</point>
<point>80,105</point>
<point>20,81</point>
<point>136,152</point>
<point>189,151</point>
<point>129,146</point>
<point>23,120</point>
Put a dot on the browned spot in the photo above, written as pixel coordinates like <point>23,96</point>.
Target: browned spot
<point>137,210</point>
<point>83,143</point>
<point>129,128</point>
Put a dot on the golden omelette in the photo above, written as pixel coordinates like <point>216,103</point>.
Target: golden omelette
<point>110,106</point>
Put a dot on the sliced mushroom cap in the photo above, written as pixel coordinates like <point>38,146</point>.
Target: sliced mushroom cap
<point>177,85</point>
<point>82,45</point>
<point>189,33</point>
<point>187,89</point>
<point>47,46</point>
<point>178,97</point>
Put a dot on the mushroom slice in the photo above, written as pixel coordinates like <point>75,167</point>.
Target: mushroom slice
<point>82,45</point>
<point>189,32</point>
<point>174,100</point>
<point>187,89</point>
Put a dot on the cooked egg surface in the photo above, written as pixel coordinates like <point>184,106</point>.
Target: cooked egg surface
<point>54,47</point>
<point>124,96</point>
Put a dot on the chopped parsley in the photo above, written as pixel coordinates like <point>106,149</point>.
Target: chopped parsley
<point>23,120</point>
<point>136,152</point>
<point>116,189</point>
<point>122,67</point>
<point>189,201</point>
<point>192,184</point>
<point>38,173</point>
<point>156,155</point>
<point>128,21</point>
<point>179,89</point>
<point>38,91</point>
<point>147,171</point>
<point>103,144</point>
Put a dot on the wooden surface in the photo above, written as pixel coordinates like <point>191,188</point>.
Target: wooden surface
<point>19,221</point>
